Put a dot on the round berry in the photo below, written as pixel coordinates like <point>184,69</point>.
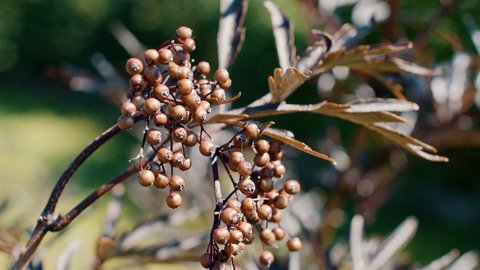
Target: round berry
<point>178,112</point>
<point>161,181</point>
<point>279,233</point>
<point>184,86</point>
<point>128,108</point>
<point>279,170</point>
<point>277,216</point>
<point>261,159</point>
<point>173,70</point>
<point>281,201</point>
<point>252,131</point>
<point>153,75</point>
<point>145,178</point>
<point>179,134</point>
<point>221,235</point>
<point>165,56</point>
<point>151,57</point>
<point>207,148</point>
<point>181,57</point>
<point>229,216</point>
<point>262,146</point>
<point>246,228</point>
<point>191,139</point>
<point>221,76</point>
<point>184,32</point>
<point>240,140</point>
<point>292,187</point>
<point>161,92</point>
<point>192,100</point>
<point>247,187</point>
<point>200,115</point>
<point>125,122</point>
<point>264,212</point>
<point>226,84</point>
<point>266,184</point>
<point>174,200</point>
<point>165,155</point>
<point>178,159</point>
<point>232,249</point>
<point>138,101</point>
<point>236,236</point>
<point>177,183</point>
<point>189,44</point>
<point>152,105</point>
<point>203,67</point>
<point>154,137</point>
<point>187,164</point>
<point>137,83</point>
<point>245,168</point>
<point>160,119</point>
<point>267,236</point>
<point>134,66</point>
<point>266,258</point>
<point>294,244</point>
<point>206,260</point>
<point>248,205</point>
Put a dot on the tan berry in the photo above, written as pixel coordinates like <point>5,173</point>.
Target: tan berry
<point>174,200</point>
<point>134,66</point>
<point>145,178</point>
<point>125,122</point>
<point>161,181</point>
<point>294,244</point>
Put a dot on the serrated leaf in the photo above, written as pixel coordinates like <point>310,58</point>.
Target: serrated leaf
<point>231,33</point>
<point>282,85</point>
<point>283,33</point>
<point>286,137</point>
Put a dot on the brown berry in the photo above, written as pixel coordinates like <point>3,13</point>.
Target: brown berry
<point>184,86</point>
<point>174,200</point>
<point>232,249</point>
<point>160,119</point>
<point>145,178</point>
<point>153,75</point>
<point>128,108</point>
<point>161,92</point>
<point>234,204</point>
<point>247,187</point>
<point>179,134</point>
<point>218,94</point>
<point>152,105</point>
<point>189,44</point>
<point>236,236</point>
<point>292,187</point>
<point>137,83</point>
<point>206,260</point>
<point>178,112</point>
<point>200,115</point>
<point>266,258</point>
<point>277,216</point>
<point>203,67</point>
<point>252,131</point>
<point>192,100</point>
<point>125,122</point>
<point>221,235</point>
<point>181,58</point>
<point>294,244</point>
<point>151,57</point>
<point>264,212</point>
<point>261,159</point>
<point>165,155</point>
<point>266,184</point>
<point>161,181</point>
<point>184,32</point>
<point>229,216</point>
<point>154,137</point>
<point>267,236</point>
<point>281,201</point>
<point>138,101</point>
<point>221,76</point>
<point>178,159</point>
<point>262,146</point>
<point>165,56</point>
<point>279,233</point>
<point>246,228</point>
<point>134,66</point>
<point>279,170</point>
<point>241,141</point>
<point>248,205</point>
<point>207,148</point>
<point>177,183</point>
<point>173,69</point>
<point>191,139</point>
<point>226,84</point>
<point>245,168</point>
<point>187,164</point>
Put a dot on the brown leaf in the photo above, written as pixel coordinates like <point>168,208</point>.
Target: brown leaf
<point>283,85</point>
<point>286,136</point>
<point>283,32</point>
<point>216,101</point>
<point>221,118</point>
<point>231,32</point>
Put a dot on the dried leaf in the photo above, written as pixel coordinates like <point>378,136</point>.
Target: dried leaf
<point>216,101</point>
<point>231,32</point>
<point>374,114</point>
<point>283,85</point>
<point>283,32</point>
<point>287,137</point>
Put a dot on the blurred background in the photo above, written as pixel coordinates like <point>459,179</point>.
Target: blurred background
<point>62,79</point>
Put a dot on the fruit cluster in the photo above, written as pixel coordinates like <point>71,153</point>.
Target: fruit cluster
<point>175,97</point>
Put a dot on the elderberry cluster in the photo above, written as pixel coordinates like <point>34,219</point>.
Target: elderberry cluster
<point>255,204</point>
<point>175,97</point>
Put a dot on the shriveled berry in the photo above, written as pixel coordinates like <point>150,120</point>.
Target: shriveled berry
<point>160,119</point>
<point>266,258</point>
<point>203,67</point>
<point>207,148</point>
<point>174,200</point>
<point>229,216</point>
<point>184,86</point>
<point>292,187</point>
<point>165,56</point>
<point>134,66</point>
<point>145,178</point>
<point>128,108</point>
<point>161,92</point>
<point>161,181</point>
<point>165,155</point>
<point>125,122</point>
<point>221,235</point>
<point>177,183</point>
<point>137,83</point>
<point>294,244</point>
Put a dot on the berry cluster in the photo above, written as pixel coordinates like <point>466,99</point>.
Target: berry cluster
<point>171,93</point>
<point>254,204</point>
<point>175,98</point>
